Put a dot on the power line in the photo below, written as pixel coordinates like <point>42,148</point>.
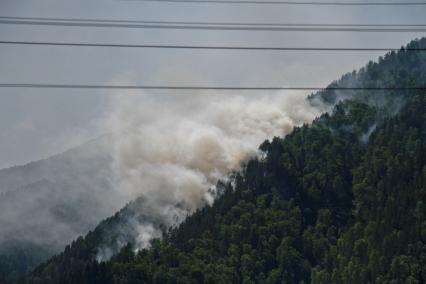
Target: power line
<point>214,26</point>
<point>135,23</point>
<point>248,48</point>
<point>205,88</point>
<point>327,3</point>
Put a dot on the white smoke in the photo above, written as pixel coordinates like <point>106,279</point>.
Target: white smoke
<point>173,150</point>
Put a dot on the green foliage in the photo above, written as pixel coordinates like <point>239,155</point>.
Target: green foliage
<point>19,258</point>
<point>386,244</point>
<point>325,204</point>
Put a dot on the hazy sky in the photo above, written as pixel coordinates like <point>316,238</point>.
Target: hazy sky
<point>37,123</point>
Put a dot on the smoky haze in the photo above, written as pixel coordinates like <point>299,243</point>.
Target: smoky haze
<point>172,154</point>
<point>168,148</point>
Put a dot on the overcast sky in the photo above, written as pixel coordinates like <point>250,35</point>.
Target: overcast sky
<point>37,123</point>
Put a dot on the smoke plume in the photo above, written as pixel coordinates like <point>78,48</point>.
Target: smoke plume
<point>171,150</point>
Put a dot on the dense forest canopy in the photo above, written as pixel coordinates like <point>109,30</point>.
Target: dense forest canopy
<point>342,200</point>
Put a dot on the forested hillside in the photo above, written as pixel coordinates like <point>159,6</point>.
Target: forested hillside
<point>342,200</point>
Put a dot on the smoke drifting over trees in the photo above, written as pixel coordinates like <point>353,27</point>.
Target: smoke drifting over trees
<point>172,151</point>
<point>168,150</point>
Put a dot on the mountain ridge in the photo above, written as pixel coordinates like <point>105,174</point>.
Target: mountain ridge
<point>306,211</point>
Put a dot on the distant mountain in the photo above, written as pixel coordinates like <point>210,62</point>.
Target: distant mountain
<point>339,201</point>
<point>61,167</point>
<point>46,204</point>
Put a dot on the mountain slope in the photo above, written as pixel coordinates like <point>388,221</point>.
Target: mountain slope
<point>46,204</point>
<point>387,242</point>
<point>338,201</point>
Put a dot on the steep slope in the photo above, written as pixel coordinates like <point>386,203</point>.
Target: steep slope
<point>320,205</point>
<point>387,241</point>
<point>46,204</point>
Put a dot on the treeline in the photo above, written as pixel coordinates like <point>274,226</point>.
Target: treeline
<point>342,200</point>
